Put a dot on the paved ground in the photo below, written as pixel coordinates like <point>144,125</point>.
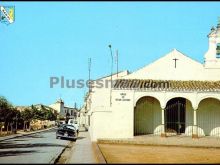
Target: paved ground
<point>22,133</point>
<point>82,151</point>
<point>168,141</point>
<point>119,153</point>
<point>41,147</point>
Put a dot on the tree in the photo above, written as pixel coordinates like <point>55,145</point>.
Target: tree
<point>10,117</point>
<point>47,114</point>
<point>36,112</point>
<point>27,116</point>
<point>50,115</point>
<point>55,113</point>
<point>3,107</point>
<point>6,112</point>
<point>16,117</point>
<point>3,102</point>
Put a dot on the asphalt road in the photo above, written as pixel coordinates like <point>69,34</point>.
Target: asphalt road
<point>41,147</point>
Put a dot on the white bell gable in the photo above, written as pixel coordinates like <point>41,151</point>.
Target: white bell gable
<point>175,66</point>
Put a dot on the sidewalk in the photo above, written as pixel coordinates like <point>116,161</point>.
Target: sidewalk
<point>83,151</point>
<point>21,133</point>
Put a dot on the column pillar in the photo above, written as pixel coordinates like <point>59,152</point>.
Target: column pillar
<point>163,133</point>
<point>195,127</point>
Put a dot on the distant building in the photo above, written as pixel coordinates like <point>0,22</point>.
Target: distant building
<point>63,110</point>
<point>83,118</point>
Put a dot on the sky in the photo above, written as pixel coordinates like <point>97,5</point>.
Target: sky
<point>54,39</point>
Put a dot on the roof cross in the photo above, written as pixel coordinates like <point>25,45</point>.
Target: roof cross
<point>175,59</point>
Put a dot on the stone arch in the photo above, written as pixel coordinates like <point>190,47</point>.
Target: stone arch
<point>193,102</point>
<point>206,97</point>
<point>208,116</point>
<point>144,95</point>
<point>147,116</point>
<point>179,115</point>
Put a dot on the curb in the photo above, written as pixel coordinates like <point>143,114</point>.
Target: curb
<point>58,156</point>
<point>20,135</point>
<point>99,155</point>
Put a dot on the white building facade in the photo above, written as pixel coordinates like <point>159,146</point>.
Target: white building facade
<point>63,110</point>
<point>175,95</point>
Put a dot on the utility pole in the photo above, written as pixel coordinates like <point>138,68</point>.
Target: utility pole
<point>116,61</point>
<point>90,90</point>
<point>110,47</point>
<point>89,68</point>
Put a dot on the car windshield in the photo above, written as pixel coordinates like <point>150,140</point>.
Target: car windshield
<point>64,126</point>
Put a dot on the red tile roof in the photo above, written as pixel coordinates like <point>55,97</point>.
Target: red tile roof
<point>167,85</point>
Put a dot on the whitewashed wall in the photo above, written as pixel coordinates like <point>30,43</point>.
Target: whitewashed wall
<point>186,69</point>
<point>117,120</point>
<point>189,118</point>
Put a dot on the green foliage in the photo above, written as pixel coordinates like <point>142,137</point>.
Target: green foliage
<point>27,114</point>
<point>3,102</point>
<point>43,113</point>
<point>6,110</point>
<point>35,112</point>
<point>9,114</point>
<point>51,115</point>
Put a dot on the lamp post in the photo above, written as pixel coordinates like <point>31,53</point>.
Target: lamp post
<point>111,75</point>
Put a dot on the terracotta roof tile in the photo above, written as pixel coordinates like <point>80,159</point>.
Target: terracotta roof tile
<point>167,85</point>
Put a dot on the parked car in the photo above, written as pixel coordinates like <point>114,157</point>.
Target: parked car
<point>66,131</point>
<point>75,124</point>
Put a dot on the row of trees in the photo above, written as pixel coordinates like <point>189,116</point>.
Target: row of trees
<point>11,118</point>
<point>7,114</point>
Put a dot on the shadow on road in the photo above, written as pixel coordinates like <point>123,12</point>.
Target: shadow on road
<point>83,131</point>
<point>14,153</point>
<point>8,145</point>
<point>80,137</point>
<point>33,136</point>
<point>19,140</point>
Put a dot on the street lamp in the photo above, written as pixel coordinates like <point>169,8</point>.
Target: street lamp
<point>111,74</point>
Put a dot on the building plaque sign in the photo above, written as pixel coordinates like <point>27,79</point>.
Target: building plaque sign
<point>122,97</point>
